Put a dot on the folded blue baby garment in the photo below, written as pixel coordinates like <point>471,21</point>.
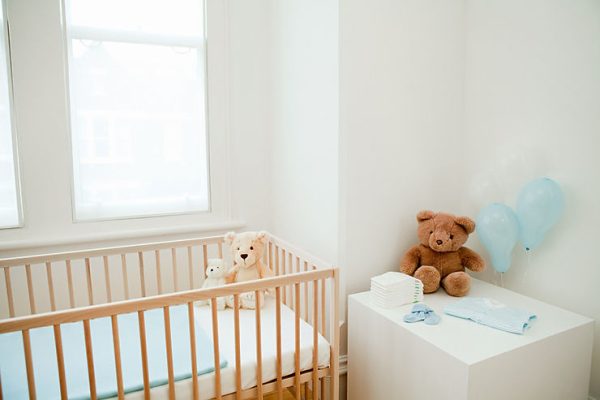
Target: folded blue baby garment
<point>421,312</point>
<point>491,313</point>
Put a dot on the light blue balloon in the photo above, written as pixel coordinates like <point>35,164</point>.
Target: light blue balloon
<point>498,231</point>
<point>539,206</point>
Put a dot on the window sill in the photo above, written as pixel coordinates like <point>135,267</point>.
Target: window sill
<point>120,236</point>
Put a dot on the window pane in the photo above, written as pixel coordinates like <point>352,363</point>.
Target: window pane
<point>9,200</point>
<point>172,17</point>
<point>137,112</point>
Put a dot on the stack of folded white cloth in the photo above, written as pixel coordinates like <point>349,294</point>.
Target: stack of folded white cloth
<point>394,289</point>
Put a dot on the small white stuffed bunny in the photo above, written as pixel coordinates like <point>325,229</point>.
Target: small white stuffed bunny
<point>215,276</point>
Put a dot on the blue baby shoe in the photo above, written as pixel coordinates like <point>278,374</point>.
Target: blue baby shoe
<point>421,312</point>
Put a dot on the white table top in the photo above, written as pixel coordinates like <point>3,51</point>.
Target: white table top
<point>471,342</point>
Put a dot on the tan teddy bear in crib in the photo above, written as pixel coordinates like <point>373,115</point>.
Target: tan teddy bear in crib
<point>440,258</point>
<point>247,250</point>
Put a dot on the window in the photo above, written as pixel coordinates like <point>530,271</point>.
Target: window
<point>10,215</point>
<point>138,107</point>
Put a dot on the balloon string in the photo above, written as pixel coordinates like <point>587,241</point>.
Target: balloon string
<point>528,252</point>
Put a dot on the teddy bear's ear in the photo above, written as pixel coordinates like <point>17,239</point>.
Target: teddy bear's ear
<point>262,236</point>
<point>466,223</point>
<point>425,215</point>
<point>229,237</point>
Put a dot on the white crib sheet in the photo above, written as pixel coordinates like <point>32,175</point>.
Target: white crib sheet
<point>206,382</point>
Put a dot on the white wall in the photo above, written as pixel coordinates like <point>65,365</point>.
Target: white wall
<point>533,102</point>
<point>304,152</point>
<point>401,107</point>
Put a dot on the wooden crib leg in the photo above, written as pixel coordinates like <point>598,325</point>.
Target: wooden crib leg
<point>334,337</point>
<point>297,341</point>
<point>278,327</point>
<point>315,372</point>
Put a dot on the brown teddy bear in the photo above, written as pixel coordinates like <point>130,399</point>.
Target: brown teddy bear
<point>440,257</point>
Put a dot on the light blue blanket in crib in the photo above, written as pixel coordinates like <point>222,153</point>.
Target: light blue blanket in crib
<point>12,361</point>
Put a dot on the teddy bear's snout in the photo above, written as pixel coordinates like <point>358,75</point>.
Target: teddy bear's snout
<point>244,256</point>
<point>439,241</point>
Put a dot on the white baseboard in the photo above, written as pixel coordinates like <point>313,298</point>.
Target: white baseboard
<point>344,366</point>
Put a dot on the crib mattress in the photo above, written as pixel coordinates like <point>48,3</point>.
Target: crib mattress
<point>12,362</point>
<point>206,382</point>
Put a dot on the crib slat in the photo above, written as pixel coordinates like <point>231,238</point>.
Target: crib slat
<point>145,374</point>
<point>238,362</point>
<point>167,320</point>
<point>107,279</point>
<point>323,294</point>
<point>60,359</point>
<point>297,341</point>
<point>88,273</point>
<point>158,275</point>
<point>291,288</point>
<point>174,264</point>
<point>306,294</point>
<point>70,284</point>
<point>90,358</point>
<point>315,339</point>
<point>125,280</point>
<point>276,260</point>
<point>30,289</point>
<point>278,328</point>
<point>142,278</point>
<point>259,383</point>
<point>220,246</point>
<point>271,256</point>
<point>192,325</point>
<point>190,267</point>
<point>29,364</point>
<point>116,346</point>
<point>50,286</point>
<point>205,256</point>
<point>9,292</point>
<point>215,332</point>
<point>283,272</point>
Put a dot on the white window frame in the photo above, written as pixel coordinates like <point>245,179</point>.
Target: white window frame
<point>216,106</point>
<point>38,40</point>
<point>11,100</point>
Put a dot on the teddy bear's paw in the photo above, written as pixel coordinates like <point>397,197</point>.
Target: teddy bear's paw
<point>249,304</point>
<point>201,303</point>
<point>430,277</point>
<point>457,284</point>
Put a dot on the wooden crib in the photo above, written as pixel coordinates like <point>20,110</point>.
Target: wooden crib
<point>54,289</point>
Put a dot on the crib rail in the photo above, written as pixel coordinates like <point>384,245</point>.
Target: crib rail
<point>304,283</point>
